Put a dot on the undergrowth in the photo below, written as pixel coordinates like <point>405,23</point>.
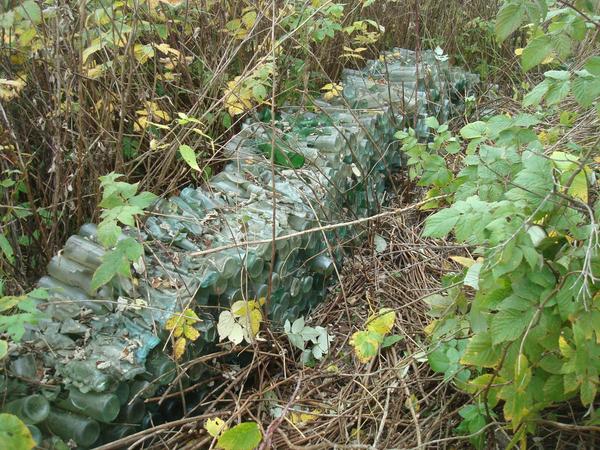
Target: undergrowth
<point>94,87</point>
<point>151,90</point>
<point>518,327</point>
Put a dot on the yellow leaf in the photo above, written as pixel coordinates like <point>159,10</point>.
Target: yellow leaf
<point>179,348</point>
<point>215,426</point>
<point>430,327</point>
<point>143,53</point>
<point>465,262</point>
<point>172,322</point>
<point>579,187</point>
<point>178,331</point>
<point>249,19</point>
<point>304,417</point>
<point>190,332</point>
<point>549,59</point>
<point>190,316</point>
<point>382,322</point>
<point>332,368</point>
<point>166,49</point>
<point>565,349</point>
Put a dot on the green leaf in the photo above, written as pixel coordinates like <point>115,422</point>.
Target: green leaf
<point>509,324</point>
<point>115,262</point>
<point>474,130</point>
<point>472,275</point>
<point>438,360</point>
<point>535,96</point>
<point>536,51</point>
<point>108,233</point>
<point>592,65</point>
<point>245,436</point>
<point>143,199</point>
<point>432,122</point>
<point>441,223</point>
<point>30,10</point>
<point>508,20</point>
<point>558,91</point>
<point>388,341</point>
<point>131,248</point>
<point>481,352</point>
<point>189,156</point>
<point>588,390</point>
<point>7,249</point>
<point>3,349</point>
<point>366,344</point>
<point>14,434</point>
<point>259,91</point>
<point>586,90</point>
<point>558,74</point>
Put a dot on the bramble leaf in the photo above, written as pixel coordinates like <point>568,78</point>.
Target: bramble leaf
<point>245,436</point>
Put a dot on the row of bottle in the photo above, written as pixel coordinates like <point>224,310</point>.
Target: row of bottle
<point>105,343</point>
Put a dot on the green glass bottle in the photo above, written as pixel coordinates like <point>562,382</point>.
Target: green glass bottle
<point>160,369</point>
<point>102,407</point>
<point>132,412</point>
<point>31,409</point>
<point>83,430</point>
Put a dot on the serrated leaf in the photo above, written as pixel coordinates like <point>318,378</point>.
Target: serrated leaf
<point>586,90</point>
<point>472,275</point>
<point>537,50</point>
<point>189,156</point>
<point>143,199</point>
<point>508,20</point>
<point>438,360</point>
<point>474,130</point>
<point>366,344</point>
<point>382,322</point>
<point>245,436</point>
<point>535,96</point>
<point>173,322</point>
<point>481,352</point>
<point>441,223</point>
<point>509,324</point>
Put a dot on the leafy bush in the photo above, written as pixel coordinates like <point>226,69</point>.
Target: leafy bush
<point>519,326</point>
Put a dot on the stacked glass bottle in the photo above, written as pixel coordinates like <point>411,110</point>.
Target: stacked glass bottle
<point>84,373</point>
